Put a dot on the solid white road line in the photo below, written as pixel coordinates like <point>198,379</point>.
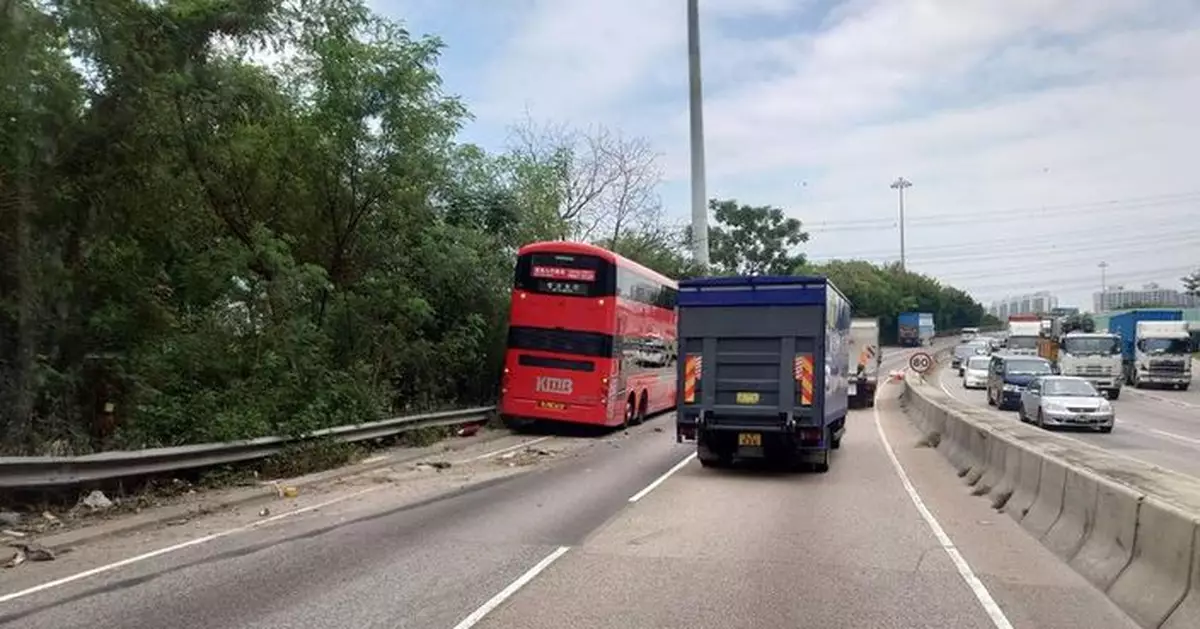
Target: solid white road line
<point>170,549</point>
<point>503,595</point>
<point>964,569</point>
<point>658,481</point>
<point>523,444</point>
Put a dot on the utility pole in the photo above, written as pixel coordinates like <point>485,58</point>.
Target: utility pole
<point>899,185</point>
<point>1103,286</point>
<point>696,110</point>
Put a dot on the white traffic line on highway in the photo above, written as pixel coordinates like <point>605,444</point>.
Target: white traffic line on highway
<point>1170,435</point>
<point>177,547</point>
<point>512,588</point>
<point>488,455</point>
<point>1159,398</point>
<point>658,481</point>
<point>960,563</point>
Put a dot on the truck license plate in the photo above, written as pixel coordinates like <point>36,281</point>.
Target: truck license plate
<point>554,406</point>
<point>749,439</point>
<point>747,397</point>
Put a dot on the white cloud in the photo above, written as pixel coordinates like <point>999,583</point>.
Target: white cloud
<point>986,105</point>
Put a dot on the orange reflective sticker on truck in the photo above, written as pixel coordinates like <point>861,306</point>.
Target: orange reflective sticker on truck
<point>691,377</point>
<point>802,368</point>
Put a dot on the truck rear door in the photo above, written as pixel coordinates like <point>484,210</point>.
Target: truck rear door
<point>751,368</point>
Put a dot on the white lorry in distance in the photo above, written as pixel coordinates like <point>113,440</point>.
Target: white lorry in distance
<point>1162,354</point>
<point>1095,356</point>
<point>1023,337</point>
<point>865,358</point>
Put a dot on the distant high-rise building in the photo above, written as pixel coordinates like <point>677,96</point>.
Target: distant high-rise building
<point>1035,303</point>
<point>1149,296</point>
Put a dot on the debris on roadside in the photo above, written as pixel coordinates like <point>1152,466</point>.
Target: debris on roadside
<point>12,533</point>
<point>17,559</point>
<point>10,518</point>
<point>434,465</point>
<point>264,512</point>
<point>469,430</point>
<point>96,501</point>
<point>527,456</point>
<point>32,552</point>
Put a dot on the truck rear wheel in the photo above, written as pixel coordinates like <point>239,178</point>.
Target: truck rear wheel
<point>1114,394</point>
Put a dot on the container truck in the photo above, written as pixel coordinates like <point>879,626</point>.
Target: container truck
<point>764,369</point>
<point>1023,337</point>
<point>865,357</point>
<point>915,329</point>
<point>1154,347</point>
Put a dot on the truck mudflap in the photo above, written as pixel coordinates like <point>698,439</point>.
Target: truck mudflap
<point>790,441</point>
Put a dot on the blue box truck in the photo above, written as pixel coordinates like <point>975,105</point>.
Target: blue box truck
<point>763,369</point>
<point>1155,347</point>
<point>915,329</point>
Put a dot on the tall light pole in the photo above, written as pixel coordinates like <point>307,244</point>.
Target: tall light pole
<point>899,185</point>
<point>696,109</point>
<point>1103,286</point>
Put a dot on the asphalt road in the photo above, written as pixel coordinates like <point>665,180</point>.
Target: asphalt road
<point>702,548</point>
<point>1161,427</point>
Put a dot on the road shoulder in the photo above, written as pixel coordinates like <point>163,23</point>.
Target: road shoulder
<point>1031,585</point>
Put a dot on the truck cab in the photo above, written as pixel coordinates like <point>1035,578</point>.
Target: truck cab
<point>1094,356</point>
<point>1155,347</point>
<point>1162,354</point>
<point>1023,337</point>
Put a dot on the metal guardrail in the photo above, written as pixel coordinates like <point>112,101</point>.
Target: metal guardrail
<point>41,472</point>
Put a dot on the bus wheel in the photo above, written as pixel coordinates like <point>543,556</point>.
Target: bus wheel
<point>630,411</point>
<point>641,411</point>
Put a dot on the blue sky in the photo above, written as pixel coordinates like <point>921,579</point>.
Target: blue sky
<point>1042,136</point>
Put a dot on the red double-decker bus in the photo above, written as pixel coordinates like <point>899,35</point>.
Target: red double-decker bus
<point>591,338</point>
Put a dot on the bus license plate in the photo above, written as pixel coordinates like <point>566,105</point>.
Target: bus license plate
<point>747,397</point>
<point>749,439</point>
<point>554,406</point>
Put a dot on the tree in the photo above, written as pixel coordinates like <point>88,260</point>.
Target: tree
<point>1191,283</point>
<point>748,240</point>
<point>884,292</point>
<point>602,181</point>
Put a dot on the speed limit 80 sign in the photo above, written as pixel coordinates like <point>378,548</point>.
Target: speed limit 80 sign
<point>920,362</point>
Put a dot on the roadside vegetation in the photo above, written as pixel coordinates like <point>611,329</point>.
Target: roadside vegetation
<point>222,219</point>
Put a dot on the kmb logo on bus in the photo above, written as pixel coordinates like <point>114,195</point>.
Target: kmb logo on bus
<point>547,384</point>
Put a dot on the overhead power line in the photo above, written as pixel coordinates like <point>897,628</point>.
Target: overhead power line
<point>1001,215</point>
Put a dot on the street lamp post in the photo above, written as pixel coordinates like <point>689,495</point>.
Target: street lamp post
<point>696,110</point>
<point>1103,286</point>
<point>899,185</point>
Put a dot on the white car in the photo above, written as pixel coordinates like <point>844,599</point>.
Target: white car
<point>975,372</point>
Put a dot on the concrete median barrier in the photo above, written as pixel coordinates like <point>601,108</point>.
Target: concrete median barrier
<point>1130,528</point>
<point>1025,492</point>
<point>1108,547</point>
<point>1187,614</point>
<point>1052,485</point>
<point>993,466</point>
<point>1078,516</point>
<point>1156,580</point>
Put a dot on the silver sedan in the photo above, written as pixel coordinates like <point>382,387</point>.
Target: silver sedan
<point>1056,401</point>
